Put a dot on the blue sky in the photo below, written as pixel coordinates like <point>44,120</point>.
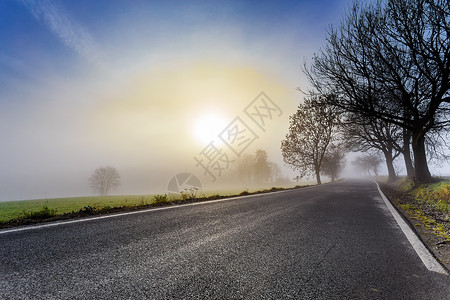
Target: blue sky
<point>125,83</point>
<point>50,35</point>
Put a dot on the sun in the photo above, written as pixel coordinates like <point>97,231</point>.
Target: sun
<point>208,126</point>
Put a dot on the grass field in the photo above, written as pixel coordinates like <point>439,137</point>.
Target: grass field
<point>17,209</point>
<point>13,209</point>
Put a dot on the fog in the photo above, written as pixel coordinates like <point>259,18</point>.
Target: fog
<point>91,84</point>
<point>60,137</point>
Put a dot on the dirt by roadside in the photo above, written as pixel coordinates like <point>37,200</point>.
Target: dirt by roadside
<point>430,224</point>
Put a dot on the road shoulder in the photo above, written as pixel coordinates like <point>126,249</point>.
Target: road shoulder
<point>437,245</point>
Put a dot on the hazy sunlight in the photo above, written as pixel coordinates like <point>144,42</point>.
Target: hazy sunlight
<point>208,126</point>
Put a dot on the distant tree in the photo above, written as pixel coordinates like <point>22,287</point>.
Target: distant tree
<point>332,164</point>
<point>371,133</point>
<point>262,166</point>
<point>367,163</point>
<point>104,179</point>
<point>275,172</point>
<point>313,128</point>
<point>245,166</point>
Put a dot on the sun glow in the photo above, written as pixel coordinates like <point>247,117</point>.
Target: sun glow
<point>208,127</point>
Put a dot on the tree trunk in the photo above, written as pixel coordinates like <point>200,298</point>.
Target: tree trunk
<point>317,169</point>
<point>375,171</point>
<point>409,164</point>
<point>421,172</point>
<point>390,166</point>
<point>407,153</point>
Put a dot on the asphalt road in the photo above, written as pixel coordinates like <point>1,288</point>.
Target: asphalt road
<point>336,241</point>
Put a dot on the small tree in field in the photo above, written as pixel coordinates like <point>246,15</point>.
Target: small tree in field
<point>104,179</point>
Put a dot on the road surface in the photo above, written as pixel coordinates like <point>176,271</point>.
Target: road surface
<point>336,241</point>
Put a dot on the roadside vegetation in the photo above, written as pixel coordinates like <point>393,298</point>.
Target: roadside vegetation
<point>427,208</point>
<point>16,213</point>
<point>435,196</point>
<point>427,205</point>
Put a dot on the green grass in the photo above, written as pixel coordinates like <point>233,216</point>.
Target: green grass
<point>14,209</point>
<point>30,211</point>
<point>23,212</point>
<point>436,195</point>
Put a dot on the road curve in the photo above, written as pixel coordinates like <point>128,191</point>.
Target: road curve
<point>336,241</point>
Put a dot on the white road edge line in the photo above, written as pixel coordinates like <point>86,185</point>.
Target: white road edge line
<point>58,223</point>
<point>427,258</point>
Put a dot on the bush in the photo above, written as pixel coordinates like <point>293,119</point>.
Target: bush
<point>44,213</point>
<point>87,210</point>
<point>436,195</point>
<point>158,199</point>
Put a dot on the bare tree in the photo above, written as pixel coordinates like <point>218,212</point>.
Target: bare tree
<point>437,146</point>
<point>405,149</point>
<point>104,179</point>
<point>367,163</point>
<point>332,164</point>
<point>391,60</point>
<point>312,129</point>
<point>367,134</point>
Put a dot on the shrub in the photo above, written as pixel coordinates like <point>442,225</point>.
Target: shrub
<point>44,213</point>
<point>158,199</point>
<point>87,210</point>
<point>436,195</point>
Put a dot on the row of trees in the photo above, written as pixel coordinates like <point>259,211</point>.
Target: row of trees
<point>381,83</point>
<point>257,169</point>
<point>250,169</point>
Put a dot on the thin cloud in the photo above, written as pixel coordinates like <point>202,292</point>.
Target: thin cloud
<point>69,32</point>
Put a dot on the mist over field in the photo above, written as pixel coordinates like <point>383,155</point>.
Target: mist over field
<point>146,86</point>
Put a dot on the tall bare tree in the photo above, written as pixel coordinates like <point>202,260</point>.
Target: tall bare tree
<point>312,129</point>
<point>104,179</point>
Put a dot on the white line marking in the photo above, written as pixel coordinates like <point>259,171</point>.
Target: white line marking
<point>58,223</point>
<point>427,258</point>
